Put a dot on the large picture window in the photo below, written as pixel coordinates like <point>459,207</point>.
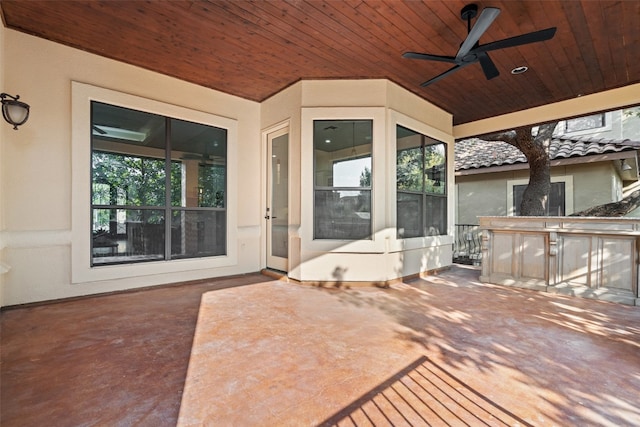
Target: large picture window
<point>421,185</point>
<point>342,179</point>
<point>158,187</point>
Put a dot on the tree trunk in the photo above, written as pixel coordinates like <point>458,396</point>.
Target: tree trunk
<point>536,150</point>
<point>613,209</point>
<point>536,195</point>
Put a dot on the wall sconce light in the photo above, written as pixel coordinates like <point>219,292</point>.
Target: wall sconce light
<point>14,112</point>
<point>625,166</point>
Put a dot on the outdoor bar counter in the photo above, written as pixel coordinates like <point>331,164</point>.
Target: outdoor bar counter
<point>580,256</point>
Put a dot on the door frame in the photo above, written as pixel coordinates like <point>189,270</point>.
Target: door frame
<point>282,128</point>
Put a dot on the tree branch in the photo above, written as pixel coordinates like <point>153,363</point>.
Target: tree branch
<point>507,136</point>
<point>516,136</point>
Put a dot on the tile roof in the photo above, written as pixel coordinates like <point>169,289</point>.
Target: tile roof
<point>476,153</point>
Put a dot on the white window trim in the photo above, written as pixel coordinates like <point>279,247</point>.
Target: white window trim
<point>568,192</point>
<point>377,243</point>
<point>396,118</point>
<point>81,270</point>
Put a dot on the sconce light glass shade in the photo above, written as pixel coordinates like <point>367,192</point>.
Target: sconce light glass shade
<point>14,112</point>
<point>625,166</point>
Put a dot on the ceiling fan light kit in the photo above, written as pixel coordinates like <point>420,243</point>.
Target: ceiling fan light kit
<point>471,51</point>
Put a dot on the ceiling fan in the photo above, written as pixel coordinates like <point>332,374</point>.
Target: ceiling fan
<point>471,51</point>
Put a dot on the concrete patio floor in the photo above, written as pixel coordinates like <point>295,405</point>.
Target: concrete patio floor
<point>444,350</point>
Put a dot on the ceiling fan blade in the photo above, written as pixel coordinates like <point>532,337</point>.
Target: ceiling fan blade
<point>534,37</point>
<point>488,15</point>
<point>445,74</point>
<point>489,68</point>
<point>428,57</point>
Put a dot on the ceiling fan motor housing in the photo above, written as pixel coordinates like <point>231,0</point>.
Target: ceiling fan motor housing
<point>468,12</point>
<point>471,51</point>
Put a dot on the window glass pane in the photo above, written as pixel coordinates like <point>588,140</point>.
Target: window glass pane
<point>128,156</point>
<point>518,192</point>
<point>202,152</point>
<point>409,172</point>
<point>410,214</point>
<point>434,164</point>
<point>352,173</point>
<point>342,214</point>
<point>557,199</point>
<point>280,196</point>
<point>197,233</point>
<point>342,152</point>
<point>584,123</point>
<point>127,179</point>
<point>127,235</point>
<point>211,185</point>
<point>342,167</point>
<point>420,175</point>
<point>436,221</point>
<point>131,154</point>
<point>555,206</point>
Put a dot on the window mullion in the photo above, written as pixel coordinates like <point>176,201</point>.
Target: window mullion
<point>424,185</point>
<point>167,194</point>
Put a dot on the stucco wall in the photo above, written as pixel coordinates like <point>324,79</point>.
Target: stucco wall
<point>594,184</point>
<point>284,108</point>
<point>630,123</point>
<point>36,166</point>
<point>481,196</point>
<point>39,162</point>
<point>486,194</point>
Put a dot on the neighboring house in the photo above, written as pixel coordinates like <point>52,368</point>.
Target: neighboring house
<point>585,171</point>
<point>618,124</point>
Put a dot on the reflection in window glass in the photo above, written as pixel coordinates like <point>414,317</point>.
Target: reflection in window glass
<point>421,185</point>
<point>139,160</point>
<point>555,206</point>
<point>593,121</point>
<point>198,233</point>
<point>342,179</point>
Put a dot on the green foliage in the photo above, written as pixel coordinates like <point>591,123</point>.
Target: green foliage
<point>124,180</point>
<point>140,179</point>
<point>632,112</point>
<point>211,183</point>
<point>365,177</point>
<point>421,170</point>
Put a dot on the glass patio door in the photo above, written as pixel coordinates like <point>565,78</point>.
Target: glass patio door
<point>277,215</point>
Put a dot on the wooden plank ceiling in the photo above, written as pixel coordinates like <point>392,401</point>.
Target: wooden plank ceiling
<point>254,49</point>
